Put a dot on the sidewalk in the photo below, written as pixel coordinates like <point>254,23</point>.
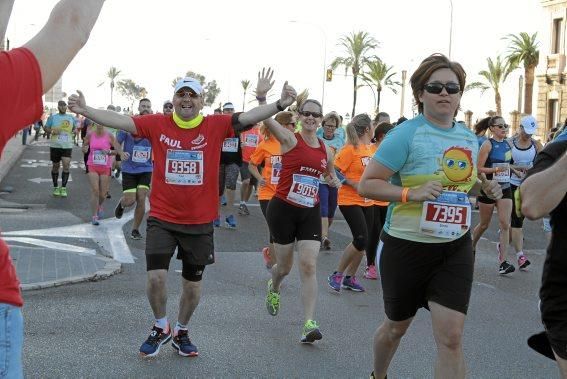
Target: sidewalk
<point>49,265</point>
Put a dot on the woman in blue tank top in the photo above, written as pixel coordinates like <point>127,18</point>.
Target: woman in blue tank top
<point>494,159</point>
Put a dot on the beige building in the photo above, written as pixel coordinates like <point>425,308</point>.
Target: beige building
<point>551,72</point>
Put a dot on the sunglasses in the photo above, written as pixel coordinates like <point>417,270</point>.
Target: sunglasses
<point>184,94</point>
<point>307,114</point>
<point>170,106</point>
<point>330,126</point>
<point>437,88</point>
<point>501,126</point>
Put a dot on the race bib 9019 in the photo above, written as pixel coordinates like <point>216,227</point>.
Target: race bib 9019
<point>304,190</point>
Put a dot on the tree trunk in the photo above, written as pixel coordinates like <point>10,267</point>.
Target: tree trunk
<point>112,92</point>
<point>355,79</point>
<point>528,89</point>
<point>378,92</point>
<point>243,101</point>
<point>498,101</point>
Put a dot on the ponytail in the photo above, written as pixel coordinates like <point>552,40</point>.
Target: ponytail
<point>352,136</point>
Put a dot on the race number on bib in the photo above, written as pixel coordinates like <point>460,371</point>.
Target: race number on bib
<point>100,158</point>
<point>63,138</point>
<point>503,174</point>
<point>230,145</point>
<point>251,140</point>
<point>276,161</point>
<point>184,167</point>
<point>449,216</point>
<point>304,190</point>
<point>141,154</point>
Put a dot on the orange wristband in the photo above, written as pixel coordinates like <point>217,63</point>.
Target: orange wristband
<point>405,194</point>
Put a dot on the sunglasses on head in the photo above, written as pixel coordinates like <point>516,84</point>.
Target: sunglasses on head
<point>437,88</point>
<point>307,114</point>
<point>501,126</point>
<point>183,94</point>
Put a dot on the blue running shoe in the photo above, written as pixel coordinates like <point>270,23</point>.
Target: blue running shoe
<point>335,280</point>
<point>230,222</point>
<point>157,337</point>
<point>352,284</point>
<point>216,223</point>
<point>183,345</point>
<point>223,200</point>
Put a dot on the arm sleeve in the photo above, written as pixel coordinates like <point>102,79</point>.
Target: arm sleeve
<point>343,159</point>
<point>147,123</point>
<point>49,122</point>
<point>394,149</point>
<point>257,156</point>
<point>547,157</point>
<point>120,136</point>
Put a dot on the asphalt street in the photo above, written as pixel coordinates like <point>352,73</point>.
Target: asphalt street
<point>94,329</point>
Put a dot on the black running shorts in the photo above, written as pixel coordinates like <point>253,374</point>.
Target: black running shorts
<point>483,198</point>
<point>194,244</point>
<point>56,153</point>
<point>131,182</point>
<point>414,273</point>
<point>289,223</point>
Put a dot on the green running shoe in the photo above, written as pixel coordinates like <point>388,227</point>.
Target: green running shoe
<point>63,191</point>
<point>311,332</point>
<point>272,300</point>
<point>56,191</point>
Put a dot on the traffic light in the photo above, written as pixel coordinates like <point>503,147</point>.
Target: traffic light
<point>329,75</point>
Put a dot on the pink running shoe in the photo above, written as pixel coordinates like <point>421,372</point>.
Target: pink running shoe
<point>267,257</point>
<point>370,273</point>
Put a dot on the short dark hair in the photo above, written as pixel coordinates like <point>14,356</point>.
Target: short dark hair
<point>144,99</point>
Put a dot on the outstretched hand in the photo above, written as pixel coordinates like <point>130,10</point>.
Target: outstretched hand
<point>265,82</point>
<point>77,103</point>
<point>288,95</point>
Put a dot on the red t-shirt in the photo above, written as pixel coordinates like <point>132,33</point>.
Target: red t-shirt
<point>20,105</point>
<point>301,168</point>
<point>185,180</point>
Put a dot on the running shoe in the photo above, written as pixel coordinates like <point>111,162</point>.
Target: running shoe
<point>523,262</point>
<point>56,191</point>
<point>506,268</point>
<point>352,284</point>
<point>183,345</point>
<point>230,222</point>
<point>63,191</point>
<point>326,243</point>
<point>223,200</point>
<point>371,273</point>
<point>94,221</point>
<point>243,210</point>
<point>117,173</point>
<point>216,223</point>
<point>108,195</point>
<point>100,212</point>
<point>272,300</point>
<point>267,257</point>
<point>335,280</point>
<point>118,211</point>
<point>135,235</point>
<point>311,332</point>
<point>158,337</point>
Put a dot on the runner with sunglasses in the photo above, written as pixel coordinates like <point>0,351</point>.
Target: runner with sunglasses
<point>293,213</point>
<point>268,155</point>
<point>358,211</point>
<point>494,159</point>
<point>328,195</point>
<point>184,195</point>
<point>425,168</point>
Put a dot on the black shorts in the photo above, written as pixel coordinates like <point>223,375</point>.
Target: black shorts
<point>515,221</point>
<point>506,194</point>
<point>289,223</point>
<point>553,295</point>
<point>56,153</point>
<point>413,273</point>
<point>131,182</point>
<point>360,220</point>
<point>194,244</point>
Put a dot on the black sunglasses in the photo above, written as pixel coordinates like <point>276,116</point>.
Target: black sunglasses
<point>501,126</point>
<point>168,106</point>
<point>183,94</point>
<point>437,88</point>
<point>307,114</point>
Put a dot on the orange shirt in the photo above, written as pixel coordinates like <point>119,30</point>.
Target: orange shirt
<point>249,140</point>
<point>269,153</point>
<point>351,161</point>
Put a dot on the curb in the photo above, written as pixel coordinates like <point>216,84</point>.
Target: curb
<point>12,152</point>
<point>111,268</point>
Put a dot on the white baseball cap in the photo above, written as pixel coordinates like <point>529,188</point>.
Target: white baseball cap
<point>529,123</point>
<point>189,83</point>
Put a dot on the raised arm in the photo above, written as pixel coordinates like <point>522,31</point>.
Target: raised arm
<point>263,112</point>
<point>77,104</point>
<point>66,32</point>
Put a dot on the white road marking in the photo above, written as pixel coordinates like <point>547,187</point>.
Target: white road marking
<point>51,245</point>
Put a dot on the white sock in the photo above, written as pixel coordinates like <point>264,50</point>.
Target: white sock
<point>519,254</point>
<point>179,326</point>
<point>242,203</point>
<point>161,323</point>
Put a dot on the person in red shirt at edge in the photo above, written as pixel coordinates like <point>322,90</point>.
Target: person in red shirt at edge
<point>184,195</point>
<point>26,73</point>
<point>293,213</point>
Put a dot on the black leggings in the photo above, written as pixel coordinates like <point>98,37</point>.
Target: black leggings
<point>264,208</point>
<point>380,212</point>
<point>360,221</point>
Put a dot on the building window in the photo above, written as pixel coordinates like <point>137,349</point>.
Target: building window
<point>556,36</point>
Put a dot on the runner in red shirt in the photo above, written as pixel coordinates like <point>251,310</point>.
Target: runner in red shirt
<point>26,73</point>
<point>293,213</point>
<point>184,195</point>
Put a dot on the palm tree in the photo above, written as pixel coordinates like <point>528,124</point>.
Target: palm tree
<point>112,74</point>
<point>496,74</point>
<point>524,49</point>
<point>357,47</point>
<point>245,85</point>
<point>131,90</point>
<point>378,75</point>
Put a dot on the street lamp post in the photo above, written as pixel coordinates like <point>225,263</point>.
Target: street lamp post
<point>324,70</point>
<point>451,29</point>
<point>404,74</point>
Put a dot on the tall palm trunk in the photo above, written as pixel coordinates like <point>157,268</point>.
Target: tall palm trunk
<point>378,92</point>
<point>355,85</point>
<point>498,101</point>
<point>243,101</point>
<point>528,89</point>
<point>112,92</point>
